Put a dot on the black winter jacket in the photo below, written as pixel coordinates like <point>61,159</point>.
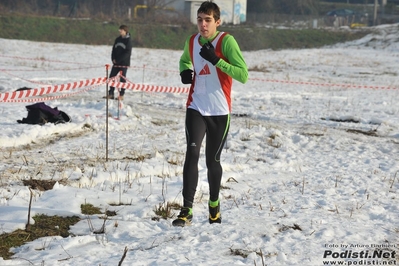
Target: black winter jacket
<point>122,50</point>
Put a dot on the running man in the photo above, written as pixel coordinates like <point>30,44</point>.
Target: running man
<point>215,58</point>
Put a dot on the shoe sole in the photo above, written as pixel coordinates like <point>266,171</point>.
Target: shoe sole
<point>217,221</point>
<point>181,223</point>
<point>217,218</point>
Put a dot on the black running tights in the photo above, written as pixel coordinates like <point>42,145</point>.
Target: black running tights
<point>215,128</point>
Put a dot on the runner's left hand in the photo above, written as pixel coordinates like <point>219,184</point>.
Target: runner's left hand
<point>208,53</point>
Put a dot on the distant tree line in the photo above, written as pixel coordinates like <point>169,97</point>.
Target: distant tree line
<point>118,8</point>
<point>115,7</point>
<point>301,7</point>
<point>81,8</point>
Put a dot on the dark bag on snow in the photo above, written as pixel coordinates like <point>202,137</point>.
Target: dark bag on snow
<point>40,114</point>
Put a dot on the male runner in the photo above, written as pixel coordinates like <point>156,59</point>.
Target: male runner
<point>215,58</point>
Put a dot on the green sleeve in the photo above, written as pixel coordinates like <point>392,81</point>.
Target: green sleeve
<point>236,67</point>
<point>185,59</point>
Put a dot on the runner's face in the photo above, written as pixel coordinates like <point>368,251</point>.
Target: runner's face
<point>207,25</point>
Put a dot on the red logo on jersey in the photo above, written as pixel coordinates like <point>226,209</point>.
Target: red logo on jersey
<point>205,70</point>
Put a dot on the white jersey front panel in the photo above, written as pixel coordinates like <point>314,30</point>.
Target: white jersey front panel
<point>208,97</point>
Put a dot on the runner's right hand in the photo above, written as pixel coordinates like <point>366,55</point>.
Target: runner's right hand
<point>186,76</point>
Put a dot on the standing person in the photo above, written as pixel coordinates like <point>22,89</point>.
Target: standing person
<point>216,59</point>
<point>121,52</point>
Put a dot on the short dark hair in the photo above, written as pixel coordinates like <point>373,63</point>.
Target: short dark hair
<point>209,7</point>
<point>124,27</point>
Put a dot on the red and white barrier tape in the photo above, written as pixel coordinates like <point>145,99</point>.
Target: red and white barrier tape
<point>50,69</point>
<point>148,88</point>
<point>30,81</point>
<point>166,70</point>
<point>51,97</point>
<point>42,59</point>
<point>10,96</point>
<point>175,89</point>
<point>144,67</point>
<point>326,84</point>
<point>17,95</point>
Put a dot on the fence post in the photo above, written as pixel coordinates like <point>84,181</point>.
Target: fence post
<point>119,96</point>
<point>106,114</point>
<point>142,81</point>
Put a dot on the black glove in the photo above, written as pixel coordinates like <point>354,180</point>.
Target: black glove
<point>186,76</point>
<point>208,53</point>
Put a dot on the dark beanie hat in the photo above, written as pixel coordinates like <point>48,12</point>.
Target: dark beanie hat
<point>124,27</point>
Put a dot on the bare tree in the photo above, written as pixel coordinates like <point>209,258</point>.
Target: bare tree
<point>153,5</point>
<point>159,3</point>
<point>308,6</point>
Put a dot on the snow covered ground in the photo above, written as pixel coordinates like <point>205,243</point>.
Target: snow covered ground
<point>311,166</point>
